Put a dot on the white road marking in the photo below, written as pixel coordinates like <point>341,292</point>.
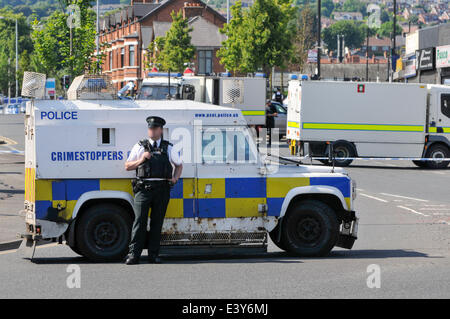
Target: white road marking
<point>10,251</point>
<point>413,211</point>
<point>405,197</point>
<point>376,198</point>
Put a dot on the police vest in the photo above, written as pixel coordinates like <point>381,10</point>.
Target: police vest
<point>158,166</point>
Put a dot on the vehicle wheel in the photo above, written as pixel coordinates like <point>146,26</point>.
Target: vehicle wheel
<point>343,149</point>
<point>310,229</point>
<point>76,250</point>
<point>103,232</point>
<point>274,237</point>
<point>421,164</point>
<point>437,151</point>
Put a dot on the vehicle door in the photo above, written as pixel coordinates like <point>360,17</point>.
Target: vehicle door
<point>229,186</point>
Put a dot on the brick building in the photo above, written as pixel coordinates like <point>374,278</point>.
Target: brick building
<point>126,35</point>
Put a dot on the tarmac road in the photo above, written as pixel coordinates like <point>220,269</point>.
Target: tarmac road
<point>404,229</point>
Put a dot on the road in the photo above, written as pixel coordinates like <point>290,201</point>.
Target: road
<point>404,230</point>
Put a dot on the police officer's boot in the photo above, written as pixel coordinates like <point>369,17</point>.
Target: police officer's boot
<point>132,260</point>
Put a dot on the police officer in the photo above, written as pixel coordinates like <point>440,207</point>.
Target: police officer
<point>152,159</point>
<point>277,96</point>
<point>271,113</point>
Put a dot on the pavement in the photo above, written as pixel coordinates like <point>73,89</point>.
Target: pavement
<point>11,176</point>
<point>404,230</point>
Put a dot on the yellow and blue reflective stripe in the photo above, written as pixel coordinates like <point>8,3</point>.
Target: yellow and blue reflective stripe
<point>363,127</point>
<point>225,198</point>
<point>247,113</point>
<point>293,124</point>
<point>435,129</point>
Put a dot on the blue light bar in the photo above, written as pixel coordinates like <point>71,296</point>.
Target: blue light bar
<point>260,75</point>
<point>166,74</point>
<point>225,74</point>
<point>294,77</point>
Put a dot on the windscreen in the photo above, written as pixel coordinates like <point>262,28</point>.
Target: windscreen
<point>156,92</point>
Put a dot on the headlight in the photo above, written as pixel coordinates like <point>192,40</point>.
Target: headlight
<point>353,189</point>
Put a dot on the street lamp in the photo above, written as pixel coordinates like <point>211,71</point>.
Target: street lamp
<point>17,55</point>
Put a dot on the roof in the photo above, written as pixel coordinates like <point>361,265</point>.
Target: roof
<point>160,28</point>
<point>177,111</point>
<point>204,33</point>
<point>163,3</point>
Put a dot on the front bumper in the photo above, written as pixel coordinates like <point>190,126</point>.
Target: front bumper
<point>348,232</point>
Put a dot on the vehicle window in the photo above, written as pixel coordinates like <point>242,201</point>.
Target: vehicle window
<point>280,108</point>
<point>445,104</point>
<point>156,92</point>
<point>228,145</point>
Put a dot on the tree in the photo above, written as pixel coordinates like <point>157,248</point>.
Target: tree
<point>8,47</point>
<point>355,6</point>
<point>230,54</point>
<point>177,49</point>
<point>51,38</point>
<point>354,34</point>
<point>153,52</point>
<point>259,38</point>
<point>327,8</point>
<point>386,29</point>
<point>305,37</point>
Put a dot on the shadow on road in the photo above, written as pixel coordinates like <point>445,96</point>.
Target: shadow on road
<point>271,257</point>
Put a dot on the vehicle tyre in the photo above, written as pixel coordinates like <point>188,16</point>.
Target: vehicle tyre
<point>343,149</point>
<point>310,228</point>
<point>103,232</point>
<point>437,151</point>
<point>421,164</point>
<point>274,237</point>
<point>76,250</point>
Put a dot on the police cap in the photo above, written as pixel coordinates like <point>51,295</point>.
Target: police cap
<point>155,121</point>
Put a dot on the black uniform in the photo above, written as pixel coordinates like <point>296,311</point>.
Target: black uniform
<point>270,120</point>
<point>154,194</point>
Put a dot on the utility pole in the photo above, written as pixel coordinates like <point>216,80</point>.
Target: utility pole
<point>17,60</point>
<point>319,6</point>
<point>393,53</point>
<point>367,55</point>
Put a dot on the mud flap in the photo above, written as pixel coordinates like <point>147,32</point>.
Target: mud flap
<point>27,247</point>
<point>345,241</point>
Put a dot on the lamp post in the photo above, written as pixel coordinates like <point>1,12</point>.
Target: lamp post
<point>17,54</point>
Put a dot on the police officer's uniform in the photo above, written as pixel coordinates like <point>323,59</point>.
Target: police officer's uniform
<point>152,190</point>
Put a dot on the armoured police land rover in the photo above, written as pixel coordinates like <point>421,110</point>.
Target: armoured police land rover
<point>229,198</point>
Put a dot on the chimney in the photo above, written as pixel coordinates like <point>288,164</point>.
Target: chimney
<point>192,9</point>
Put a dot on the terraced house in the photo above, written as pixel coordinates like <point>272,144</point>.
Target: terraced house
<point>128,33</point>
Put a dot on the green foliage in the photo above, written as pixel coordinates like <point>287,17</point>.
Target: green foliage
<point>51,39</point>
<point>305,37</point>
<point>327,8</point>
<point>260,38</point>
<point>153,53</point>
<point>8,48</point>
<point>231,52</point>
<point>386,29</point>
<point>177,49</point>
<point>354,34</point>
<point>355,6</point>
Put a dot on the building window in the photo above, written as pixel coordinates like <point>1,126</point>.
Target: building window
<point>132,62</point>
<point>205,61</point>
<point>122,57</point>
<point>110,60</point>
